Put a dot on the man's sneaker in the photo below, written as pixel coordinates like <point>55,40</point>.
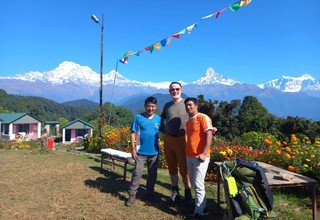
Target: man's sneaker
<point>188,196</point>
<point>175,197</point>
<point>205,211</point>
<point>131,200</point>
<point>198,216</point>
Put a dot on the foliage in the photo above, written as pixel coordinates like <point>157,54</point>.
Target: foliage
<point>296,155</point>
<point>25,145</point>
<point>46,110</point>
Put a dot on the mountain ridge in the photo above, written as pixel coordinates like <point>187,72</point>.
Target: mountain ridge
<point>71,81</point>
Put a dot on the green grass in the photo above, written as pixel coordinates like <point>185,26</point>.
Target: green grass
<point>69,185</point>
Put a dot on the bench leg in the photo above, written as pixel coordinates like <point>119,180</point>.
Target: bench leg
<point>314,201</point>
<point>125,171</point>
<point>113,166</point>
<point>218,186</point>
<point>101,160</point>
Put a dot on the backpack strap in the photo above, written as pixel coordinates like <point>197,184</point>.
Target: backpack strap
<point>255,166</point>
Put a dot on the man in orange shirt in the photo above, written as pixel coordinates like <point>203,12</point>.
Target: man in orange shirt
<point>199,132</point>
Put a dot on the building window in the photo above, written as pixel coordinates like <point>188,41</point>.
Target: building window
<point>5,128</point>
<point>23,128</point>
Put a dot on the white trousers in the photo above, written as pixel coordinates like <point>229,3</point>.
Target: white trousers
<point>197,173</point>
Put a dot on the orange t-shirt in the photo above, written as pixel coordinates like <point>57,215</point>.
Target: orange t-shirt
<point>196,128</point>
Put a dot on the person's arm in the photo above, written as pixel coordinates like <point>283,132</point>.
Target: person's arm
<point>133,142</point>
<point>206,149</point>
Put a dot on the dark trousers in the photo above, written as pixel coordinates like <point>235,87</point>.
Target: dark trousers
<point>152,165</point>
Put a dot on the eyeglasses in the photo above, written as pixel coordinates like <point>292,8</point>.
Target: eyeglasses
<point>175,89</point>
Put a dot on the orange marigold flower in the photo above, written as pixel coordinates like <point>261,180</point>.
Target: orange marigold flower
<point>291,168</point>
<point>267,141</point>
<point>288,149</point>
<point>293,138</point>
<point>284,143</point>
<point>278,143</point>
<point>278,151</point>
<point>288,156</point>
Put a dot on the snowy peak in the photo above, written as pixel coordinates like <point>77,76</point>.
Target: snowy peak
<point>293,84</point>
<point>211,77</point>
<point>70,72</point>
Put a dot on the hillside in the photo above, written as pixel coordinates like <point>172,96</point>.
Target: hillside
<point>41,108</point>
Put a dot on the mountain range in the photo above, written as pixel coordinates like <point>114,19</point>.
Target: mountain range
<point>294,96</point>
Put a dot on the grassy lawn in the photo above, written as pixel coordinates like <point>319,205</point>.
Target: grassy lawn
<point>69,185</point>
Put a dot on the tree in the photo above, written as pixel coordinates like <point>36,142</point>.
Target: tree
<point>253,116</point>
<point>226,119</point>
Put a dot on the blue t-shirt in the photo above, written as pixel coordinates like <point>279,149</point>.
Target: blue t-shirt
<point>147,130</point>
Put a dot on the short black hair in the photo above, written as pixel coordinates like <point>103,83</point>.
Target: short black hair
<point>192,99</point>
<point>151,99</point>
<point>175,83</point>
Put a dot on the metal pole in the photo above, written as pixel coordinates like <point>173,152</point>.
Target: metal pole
<point>101,80</point>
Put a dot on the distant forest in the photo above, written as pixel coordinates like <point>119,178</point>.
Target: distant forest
<point>232,118</point>
<point>48,110</point>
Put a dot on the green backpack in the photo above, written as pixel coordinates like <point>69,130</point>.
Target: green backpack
<point>247,192</point>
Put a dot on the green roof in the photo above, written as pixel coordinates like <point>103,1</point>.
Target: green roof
<point>10,117</point>
<point>78,120</point>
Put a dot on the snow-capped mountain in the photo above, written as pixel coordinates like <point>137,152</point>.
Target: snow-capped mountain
<point>70,72</point>
<point>71,81</point>
<point>213,78</point>
<point>293,84</point>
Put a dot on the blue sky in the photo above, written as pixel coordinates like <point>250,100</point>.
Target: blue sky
<point>257,43</point>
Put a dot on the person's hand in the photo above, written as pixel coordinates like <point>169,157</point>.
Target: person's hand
<point>202,157</point>
<point>134,153</point>
<point>214,130</point>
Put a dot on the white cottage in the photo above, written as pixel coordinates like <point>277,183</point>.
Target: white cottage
<point>76,130</point>
<point>19,126</point>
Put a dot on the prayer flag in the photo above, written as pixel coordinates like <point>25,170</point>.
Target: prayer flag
<point>129,53</point>
<point>139,53</point>
<point>189,29</point>
<point>176,35</point>
<point>150,48</point>
<point>206,17</point>
<point>219,12</point>
<point>157,46</point>
<point>244,2</point>
<point>182,31</point>
<point>235,6</point>
<point>124,60</point>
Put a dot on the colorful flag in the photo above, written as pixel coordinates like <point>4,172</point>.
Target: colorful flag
<point>244,2</point>
<point>182,31</point>
<point>189,29</point>
<point>124,60</point>
<point>206,17</point>
<point>140,52</point>
<point>157,46</point>
<point>150,48</point>
<point>129,53</point>
<point>219,12</point>
<point>177,35</point>
<point>235,6</point>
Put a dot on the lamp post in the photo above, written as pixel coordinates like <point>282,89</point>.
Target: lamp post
<point>95,19</point>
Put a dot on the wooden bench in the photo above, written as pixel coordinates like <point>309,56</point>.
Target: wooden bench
<point>119,156</point>
<point>275,180</point>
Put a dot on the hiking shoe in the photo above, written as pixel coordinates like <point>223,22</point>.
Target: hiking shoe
<point>188,196</point>
<point>175,196</point>
<point>131,200</point>
<point>198,215</point>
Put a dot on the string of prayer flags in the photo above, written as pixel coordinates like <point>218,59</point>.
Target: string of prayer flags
<point>166,41</point>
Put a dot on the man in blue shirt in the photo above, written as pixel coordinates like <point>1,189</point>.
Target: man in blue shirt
<point>145,148</point>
